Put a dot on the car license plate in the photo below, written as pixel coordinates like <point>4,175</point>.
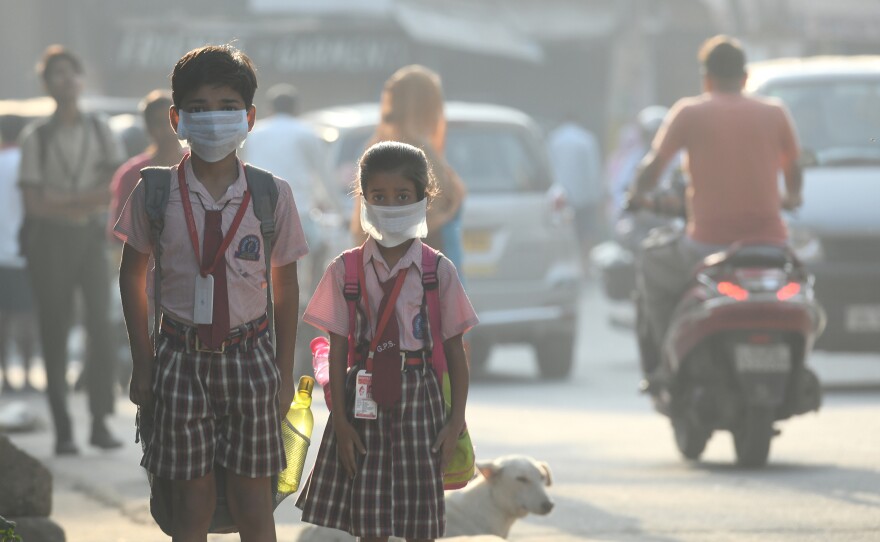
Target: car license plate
<point>863,318</point>
<point>762,358</point>
<point>477,241</point>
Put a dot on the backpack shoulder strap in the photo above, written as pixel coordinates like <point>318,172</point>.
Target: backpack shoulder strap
<point>45,129</point>
<point>264,194</point>
<point>157,187</point>
<point>431,286</point>
<point>351,290</point>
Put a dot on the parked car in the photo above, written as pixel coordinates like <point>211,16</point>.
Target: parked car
<point>835,103</point>
<point>522,271</point>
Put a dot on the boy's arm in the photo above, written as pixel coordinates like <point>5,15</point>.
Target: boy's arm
<point>132,279</point>
<point>286,285</point>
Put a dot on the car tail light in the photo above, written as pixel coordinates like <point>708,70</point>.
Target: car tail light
<point>788,291</point>
<point>733,291</point>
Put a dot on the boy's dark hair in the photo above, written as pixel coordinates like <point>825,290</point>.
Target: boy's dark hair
<point>722,57</point>
<point>10,128</point>
<point>397,157</point>
<point>283,98</point>
<point>56,53</point>
<point>214,65</point>
<point>154,102</point>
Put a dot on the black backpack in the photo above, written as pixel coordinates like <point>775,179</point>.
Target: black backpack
<point>157,187</point>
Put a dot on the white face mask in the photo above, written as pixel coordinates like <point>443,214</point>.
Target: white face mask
<point>212,135</point>
<point>393,225</point>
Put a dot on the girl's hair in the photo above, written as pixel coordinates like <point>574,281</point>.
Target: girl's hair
<point>396,157</point>
<point>412,105</point>
<point>214,65</point>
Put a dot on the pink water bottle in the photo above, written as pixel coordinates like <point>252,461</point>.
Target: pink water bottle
<point>321,363</point>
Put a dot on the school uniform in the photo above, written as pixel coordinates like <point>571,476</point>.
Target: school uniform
<point>398,489</point>
<point>212,406</point>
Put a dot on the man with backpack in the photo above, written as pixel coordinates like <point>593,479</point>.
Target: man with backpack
<point>66,164</point>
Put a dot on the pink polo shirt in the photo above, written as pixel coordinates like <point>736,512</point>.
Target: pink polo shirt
<point>328,310</point>
<point>245,265</point>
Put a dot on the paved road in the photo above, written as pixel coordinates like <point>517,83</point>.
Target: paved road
<point>617,475</point>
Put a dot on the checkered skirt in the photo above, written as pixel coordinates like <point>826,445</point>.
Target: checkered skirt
<point>219,408</point>
<point>398,489</point>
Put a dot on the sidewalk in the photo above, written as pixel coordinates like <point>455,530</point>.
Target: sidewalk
<point>103,496</point>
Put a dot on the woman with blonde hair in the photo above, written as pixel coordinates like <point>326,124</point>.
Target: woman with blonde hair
<point>412,112</point>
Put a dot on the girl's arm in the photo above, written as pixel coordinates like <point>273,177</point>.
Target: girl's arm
<point>459,377</point>
<point>286,286</point>
<point>347,438</point>
<point>132,279</point>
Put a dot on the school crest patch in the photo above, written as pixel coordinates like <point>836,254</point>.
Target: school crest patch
<point>248,248</point>
<point>418,327</point>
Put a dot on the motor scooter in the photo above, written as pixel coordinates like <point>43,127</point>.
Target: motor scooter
<point>734,355</point>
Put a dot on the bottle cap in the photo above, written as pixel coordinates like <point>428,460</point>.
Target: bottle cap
<point>306,384</point>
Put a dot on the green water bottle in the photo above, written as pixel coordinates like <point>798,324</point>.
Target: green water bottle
<point>296,431</point>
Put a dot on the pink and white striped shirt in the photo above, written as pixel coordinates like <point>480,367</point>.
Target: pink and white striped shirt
<point>328,310</point>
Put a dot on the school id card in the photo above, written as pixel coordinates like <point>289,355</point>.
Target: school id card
<point>365,408</point>
<point>203,304</point>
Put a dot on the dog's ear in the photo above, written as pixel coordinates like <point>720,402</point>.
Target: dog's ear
<point>488,469</point>
<point>545,471</point>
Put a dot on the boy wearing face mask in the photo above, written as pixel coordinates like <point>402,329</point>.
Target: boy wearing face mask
<point>216,388</point>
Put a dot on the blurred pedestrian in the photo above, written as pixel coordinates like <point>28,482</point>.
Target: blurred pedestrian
<point>66,164</point>
<point>577,166</point>
<point>633,145</point>
<point>290,148</point>
<point>412,112</point>
<point>164,150</point>
<point>216,388</point>
<point>17,325</point>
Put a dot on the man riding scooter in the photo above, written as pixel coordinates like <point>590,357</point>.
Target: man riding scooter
<point>735,146</point>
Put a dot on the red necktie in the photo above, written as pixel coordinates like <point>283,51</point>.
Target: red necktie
<point>386,364</point>
<point>213,335</point>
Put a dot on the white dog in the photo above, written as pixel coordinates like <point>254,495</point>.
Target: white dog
<point>506,489</point>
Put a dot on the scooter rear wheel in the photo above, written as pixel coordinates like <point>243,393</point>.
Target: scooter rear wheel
<point>752,439</point>
<point>690,438</point>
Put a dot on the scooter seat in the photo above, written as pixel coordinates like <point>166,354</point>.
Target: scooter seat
<point>751,256</point>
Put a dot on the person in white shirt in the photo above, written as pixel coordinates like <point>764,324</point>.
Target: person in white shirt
<point>575,159</point>
<point>17,323</point>
<point>289,148</point>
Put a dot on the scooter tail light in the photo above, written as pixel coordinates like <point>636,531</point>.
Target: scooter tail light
<point>733,291</point>
<point>788,291</point>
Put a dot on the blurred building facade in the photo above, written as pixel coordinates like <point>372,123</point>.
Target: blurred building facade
<point>600,60</point>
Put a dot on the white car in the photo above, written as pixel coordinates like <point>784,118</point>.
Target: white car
<point>521,263</point>
<point>835,103</point>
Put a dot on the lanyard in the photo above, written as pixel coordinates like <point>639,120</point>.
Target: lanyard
<point>385,316</point>
<point>191,223</point>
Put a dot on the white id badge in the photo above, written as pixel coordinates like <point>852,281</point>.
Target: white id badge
<point>203,306</point>
<point>364,406</point>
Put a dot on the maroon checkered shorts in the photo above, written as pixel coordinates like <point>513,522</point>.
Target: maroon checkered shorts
<point>398,488</point>
<point>215,408</point>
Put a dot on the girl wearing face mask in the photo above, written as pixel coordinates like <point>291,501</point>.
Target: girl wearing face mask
<point>379,471</point>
